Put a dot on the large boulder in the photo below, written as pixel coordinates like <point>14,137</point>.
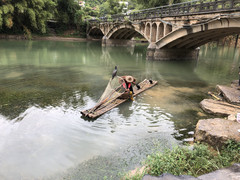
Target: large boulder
<point>217,132</point>
<point>231,173</point>
<point>219,107</point>
<point>232,95</point>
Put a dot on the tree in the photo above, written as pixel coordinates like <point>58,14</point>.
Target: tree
<point>31,15</point>
<point>152,3</point>
<point>66,10</point>
<point>156,3</point>
<point>6,14</point>
<point>95,3</point>
<point>111,7</point>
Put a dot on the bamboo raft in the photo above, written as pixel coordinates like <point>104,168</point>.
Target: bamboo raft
<point>94,113</point>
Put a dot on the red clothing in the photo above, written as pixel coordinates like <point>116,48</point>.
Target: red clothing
<point>128,85</point>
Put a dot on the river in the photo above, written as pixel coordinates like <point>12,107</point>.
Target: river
<point>45,84</point>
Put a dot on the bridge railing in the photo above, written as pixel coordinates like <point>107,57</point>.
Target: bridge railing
<point>186,8</point>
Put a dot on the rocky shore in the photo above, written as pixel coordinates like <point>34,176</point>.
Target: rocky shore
<point>217,131</point>
<point>230,173</point>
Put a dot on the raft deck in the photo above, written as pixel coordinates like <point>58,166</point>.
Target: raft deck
<point>144,85</point>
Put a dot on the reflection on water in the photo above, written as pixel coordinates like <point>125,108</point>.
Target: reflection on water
<point>44,86</point>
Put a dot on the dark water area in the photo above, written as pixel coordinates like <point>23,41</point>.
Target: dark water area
<point>44,85</point>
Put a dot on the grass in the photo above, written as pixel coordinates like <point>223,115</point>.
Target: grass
<point>185,161</point>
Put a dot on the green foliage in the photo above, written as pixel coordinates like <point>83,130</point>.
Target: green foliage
<point>1,21</point>
<point>29,14</point>
<point>184,161</point>
<point>111,7</point>
<point>94,3</point>
<point>8,21</point>
<point>194,162</point>
<point>66,10</point>
<point>79,17</point>
<point>89,11</point>
<point>17,15</point>
<point>155,3</point>
<point>32,17</point>
<point>152,3</point>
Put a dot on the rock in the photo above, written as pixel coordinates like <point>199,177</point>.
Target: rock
<point>217,131</point>
<point>201,114</point>
<point>219,107</point>
<point>234,84</point>
<point>232,117</point>
<point>167,176</point>
<point>232,95</point>
<point>232,173</point>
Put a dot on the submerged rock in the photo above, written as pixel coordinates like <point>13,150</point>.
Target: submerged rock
<point>217,132</point>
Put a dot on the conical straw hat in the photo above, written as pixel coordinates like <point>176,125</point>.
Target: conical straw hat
<point>129,79</point>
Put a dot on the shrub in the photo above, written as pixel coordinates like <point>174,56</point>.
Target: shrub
<point>187,161</point>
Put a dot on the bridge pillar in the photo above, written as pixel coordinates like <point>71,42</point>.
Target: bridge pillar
<point>175,54</point>
<point>151,50</point>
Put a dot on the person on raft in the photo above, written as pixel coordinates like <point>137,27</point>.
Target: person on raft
<point>128,86</point>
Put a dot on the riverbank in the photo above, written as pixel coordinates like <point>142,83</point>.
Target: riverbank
<point>225,105</point>
<point>53,38</point>
<point>218,151</point>
<point>191,162</point>
<point>48,38</point>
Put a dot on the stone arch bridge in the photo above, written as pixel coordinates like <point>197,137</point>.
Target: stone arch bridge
<point>173,32</point>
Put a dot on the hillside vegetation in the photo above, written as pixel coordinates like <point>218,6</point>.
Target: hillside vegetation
<point>31,16</point>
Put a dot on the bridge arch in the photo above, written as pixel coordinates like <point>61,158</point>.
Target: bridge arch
<point>95,32</point>
<point>125,32</point>
<point>199,34</point>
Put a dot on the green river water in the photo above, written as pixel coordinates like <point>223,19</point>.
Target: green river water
<point>44,85</point>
